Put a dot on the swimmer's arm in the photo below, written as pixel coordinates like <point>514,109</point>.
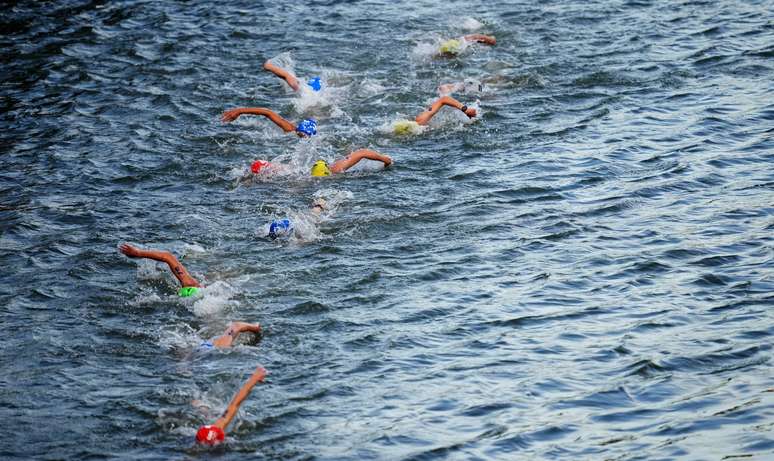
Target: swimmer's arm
<point>283,74</point>
<point>178,270</point>
<point>351,160</point>
<point>240,397</point>
<point>425,117</point>
<point>480,38</point>
<point>233,114</point>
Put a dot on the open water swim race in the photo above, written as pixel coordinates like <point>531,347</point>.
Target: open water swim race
<point>387,230</point>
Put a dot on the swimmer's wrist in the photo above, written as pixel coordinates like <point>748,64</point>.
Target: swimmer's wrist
<point>464,108</point>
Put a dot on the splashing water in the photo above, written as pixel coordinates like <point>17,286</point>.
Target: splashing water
<point>213,299</point>
<point>471,24</point>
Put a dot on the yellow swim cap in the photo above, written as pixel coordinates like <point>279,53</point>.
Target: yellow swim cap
<point>452,46</point>
<point>406,127</point>
<point>320,168</point>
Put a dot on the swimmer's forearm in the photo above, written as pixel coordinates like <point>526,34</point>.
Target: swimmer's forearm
<point>373,155</point>
<point>240,397</point>
<point>480,38</point>
<point>449,101</point>
<point>233,114</point>
<point>282,73</point>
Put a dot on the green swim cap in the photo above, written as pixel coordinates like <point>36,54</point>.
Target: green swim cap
<point>452,46</point>
<point>185,292</point>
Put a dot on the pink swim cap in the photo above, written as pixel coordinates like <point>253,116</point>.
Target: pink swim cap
<point>258,165</point>
<point>210,435</point>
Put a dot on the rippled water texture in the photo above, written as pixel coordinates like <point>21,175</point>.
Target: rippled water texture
<point>583,272</point>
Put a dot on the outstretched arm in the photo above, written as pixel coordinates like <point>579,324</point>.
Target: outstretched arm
<point>178,270</point>
<point>232,114</point>
<point>233,407</point>
<point>480,38</point>
<point>283,74</point>
<point>339,166</point>
<point>424,117</point>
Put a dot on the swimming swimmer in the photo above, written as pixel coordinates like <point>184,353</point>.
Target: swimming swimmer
<point>284,228</point>
<point>213,434</point>
<point>425,117</point>
<point>306,127</point>
<point>315,83</point>
<point>454,46</point>
<point>189,284</point>
<point>321,167</point>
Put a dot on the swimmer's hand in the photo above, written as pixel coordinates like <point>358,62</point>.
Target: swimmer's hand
<point>129,250</point>
<point>231,115</point>
<point>259,374</point>
<point>470,112</point>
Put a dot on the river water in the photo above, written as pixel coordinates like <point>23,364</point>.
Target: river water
<point>584,271</point>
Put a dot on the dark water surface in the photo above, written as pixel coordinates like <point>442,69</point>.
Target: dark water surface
<point>585,272</point>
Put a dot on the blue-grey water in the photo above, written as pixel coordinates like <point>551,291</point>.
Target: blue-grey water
<point>583,272</point>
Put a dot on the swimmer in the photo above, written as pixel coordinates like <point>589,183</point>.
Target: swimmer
<point>454,46</point>
<point>322,168</point>
<point>315,83</point>
<point>306,127</point>
<point>284,228</point>
<point>213,434</point>
<point>189,284</point>
<point>416,126</point>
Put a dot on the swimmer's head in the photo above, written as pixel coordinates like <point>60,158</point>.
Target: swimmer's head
<point>280,228</point>
<point>259,165</point>
<point>307,127</point>
<point>210,435</point>
<point>320,168</point>
<point>315,83</point>
<point>451,47</point>
<point>472,85</point>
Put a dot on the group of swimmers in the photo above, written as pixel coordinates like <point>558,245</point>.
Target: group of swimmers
<point>214,433</point>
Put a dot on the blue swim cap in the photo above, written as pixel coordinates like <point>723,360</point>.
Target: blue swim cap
<point>315,83</point>
<point>280,228</point>
<point>307,126</point>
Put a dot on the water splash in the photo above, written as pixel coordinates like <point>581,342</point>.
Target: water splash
<point>213,299</point>
<point>471,24</point>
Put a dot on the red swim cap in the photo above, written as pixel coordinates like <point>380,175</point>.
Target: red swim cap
<point>258,165</point>
<point>210,435</point>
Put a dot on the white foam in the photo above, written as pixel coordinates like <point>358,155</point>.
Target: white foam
<point>471,24</point>
<point>212,300</point>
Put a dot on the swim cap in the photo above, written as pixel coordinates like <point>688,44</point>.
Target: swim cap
<point>307,126</point>
<point>315,83</point>
<point>258,165</point>
<point>320,168</point>
<point>406,127</point>
<point>186,292</point>
<point>280,228</point>
<point>452,46</point>
<point>210,435</point>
